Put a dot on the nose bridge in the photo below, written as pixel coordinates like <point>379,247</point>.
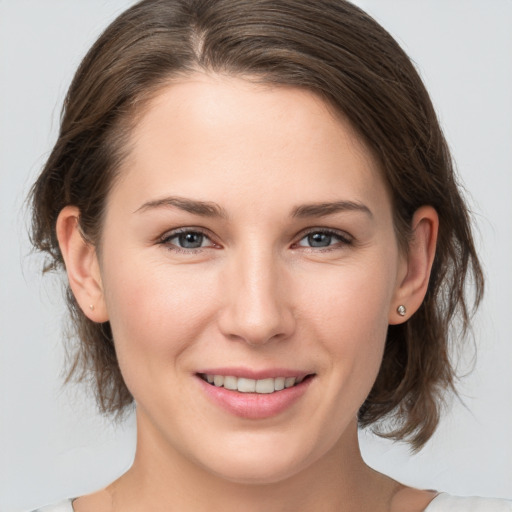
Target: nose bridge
<point>257,304</point>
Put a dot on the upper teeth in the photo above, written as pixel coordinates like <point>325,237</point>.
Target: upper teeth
<point>251,385</point>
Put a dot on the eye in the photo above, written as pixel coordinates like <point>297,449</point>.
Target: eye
<point>320,239</point>
<point>187,239</point>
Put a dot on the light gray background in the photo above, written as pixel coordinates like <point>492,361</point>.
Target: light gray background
<point>52,443</point>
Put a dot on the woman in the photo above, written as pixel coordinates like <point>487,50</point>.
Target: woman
<point>265,246</point>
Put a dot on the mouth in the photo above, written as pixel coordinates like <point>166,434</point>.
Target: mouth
<point>265,386</point>
<point>254,395</point>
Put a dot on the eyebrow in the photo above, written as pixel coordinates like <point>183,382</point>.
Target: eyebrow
<point>324,209</point>
<point>203,208</point>
<point>211,209</point>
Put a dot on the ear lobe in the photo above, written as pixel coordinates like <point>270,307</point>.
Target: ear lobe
<point>414,279</point>
<point>82,265</point>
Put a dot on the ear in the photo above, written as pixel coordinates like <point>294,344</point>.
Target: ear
<point>415,269</point>
<point>82,265</point>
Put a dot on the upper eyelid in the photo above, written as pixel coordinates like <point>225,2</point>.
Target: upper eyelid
<point>330,231</point>
<point>344,240</point>
<point>178,231</point>
<point>207,233</point>
<point>165,240</point>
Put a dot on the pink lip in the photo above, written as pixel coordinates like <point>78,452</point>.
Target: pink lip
<point>254,406</point>
<point>255,374</point>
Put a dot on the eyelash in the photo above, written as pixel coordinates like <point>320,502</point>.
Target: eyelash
<point>166,240</point>
<point>343,239</point>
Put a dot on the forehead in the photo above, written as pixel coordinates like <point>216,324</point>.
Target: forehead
<point>210,134</point>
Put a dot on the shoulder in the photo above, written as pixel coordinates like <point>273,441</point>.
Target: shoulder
<point>446,503</point>
<point>63,506</point>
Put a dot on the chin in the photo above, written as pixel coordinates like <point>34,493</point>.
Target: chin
<point>258,463</point>
<point>258,472</point>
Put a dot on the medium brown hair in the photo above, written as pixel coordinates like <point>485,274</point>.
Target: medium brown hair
<point>329,47</point>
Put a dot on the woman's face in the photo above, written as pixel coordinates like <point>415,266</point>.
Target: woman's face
<point>249,240</point>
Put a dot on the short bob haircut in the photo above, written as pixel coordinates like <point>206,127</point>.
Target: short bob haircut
<point>342,55</point>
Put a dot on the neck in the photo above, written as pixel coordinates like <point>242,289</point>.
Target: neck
<point>162,478</point>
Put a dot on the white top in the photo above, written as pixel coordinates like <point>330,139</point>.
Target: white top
<point>62,506</point>
<point>441,503</point>
<point>445,503</point>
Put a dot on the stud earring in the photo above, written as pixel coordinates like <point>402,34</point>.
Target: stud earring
<point>91,307</point>
<point>401,310</point>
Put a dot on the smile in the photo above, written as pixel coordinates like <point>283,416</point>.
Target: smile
<point>262,396</point>
<point>245,385</point>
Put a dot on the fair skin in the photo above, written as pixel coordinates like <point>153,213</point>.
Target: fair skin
<point>249,235</point>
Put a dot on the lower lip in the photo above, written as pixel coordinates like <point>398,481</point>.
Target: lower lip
<point>255,406</point>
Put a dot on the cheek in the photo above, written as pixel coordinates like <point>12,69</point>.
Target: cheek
<point>155,311</point>
<point>354,299</point>
<point>349,311</point>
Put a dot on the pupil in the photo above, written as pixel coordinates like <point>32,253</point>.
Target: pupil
<point>319,240</point>
<point>191,240</point>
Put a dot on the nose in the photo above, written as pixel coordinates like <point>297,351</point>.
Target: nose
<point>256,301</point>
